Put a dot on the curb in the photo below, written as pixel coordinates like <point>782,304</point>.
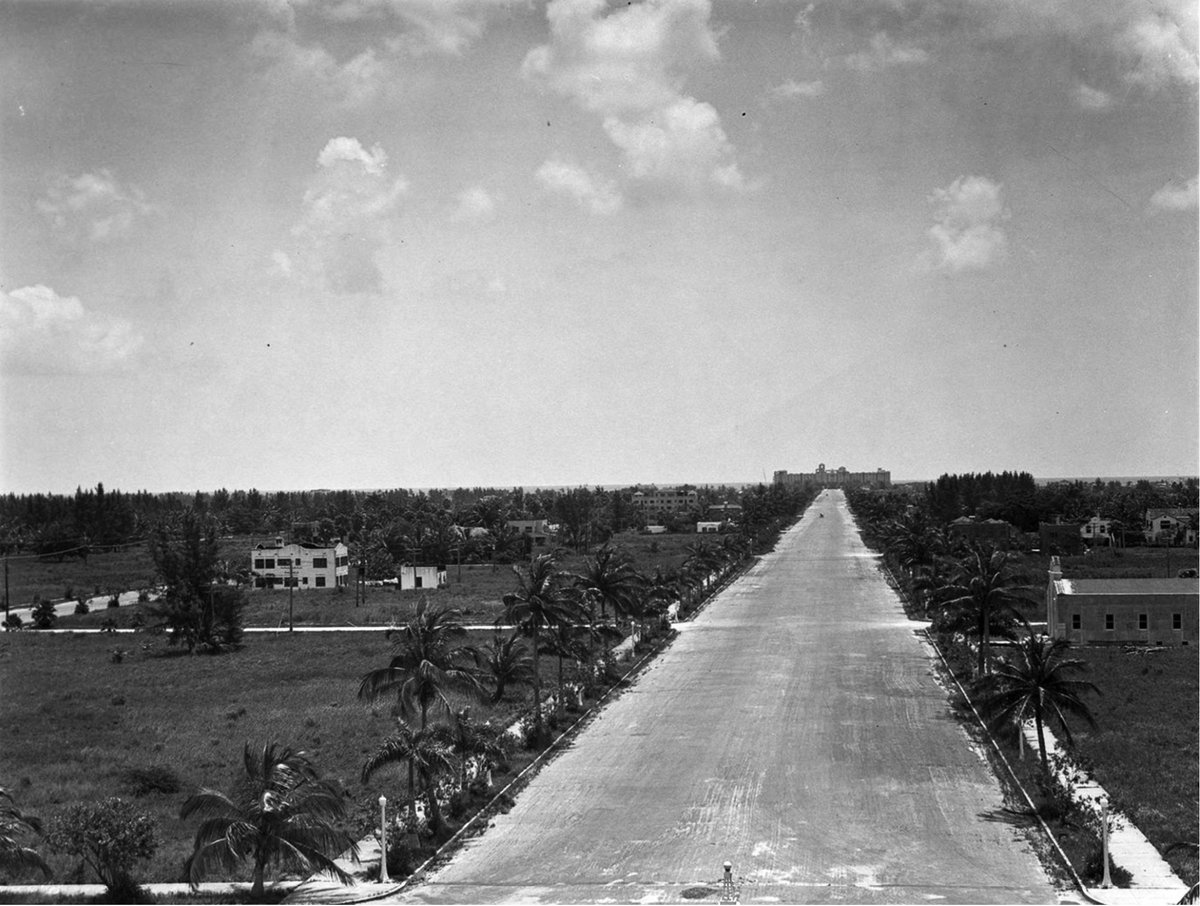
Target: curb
<point>1083,890</point>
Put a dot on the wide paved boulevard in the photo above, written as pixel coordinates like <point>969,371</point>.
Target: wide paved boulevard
<point>795,729</point>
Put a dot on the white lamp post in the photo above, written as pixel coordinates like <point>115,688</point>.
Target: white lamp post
<point>1106,881</point>
<point>383,872</point>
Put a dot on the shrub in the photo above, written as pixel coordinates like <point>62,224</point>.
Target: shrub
<point>110,837</point>
<point>81,607</point>
<point>152,779</point>
<point>12,623</point>
<point>114,601</point>
<point>1093,870</point>
<point>69,592</point>
<point>143,596</point>
<point>42,615</point>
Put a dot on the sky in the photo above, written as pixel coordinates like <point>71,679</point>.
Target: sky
<point>441,243</point>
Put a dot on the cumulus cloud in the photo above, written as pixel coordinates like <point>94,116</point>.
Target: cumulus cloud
<point>1161,46</point>
<point>1092,98</point>
<point>966,234</point>
<point>793,89</point>
<point>596,195</point>
<point>92,207</point>
<point>346,212</point>
<point>1175,196</point>
<point>474,205</point>
<point>884,53</point>
<point>629,65</point>
<point>42,332</point>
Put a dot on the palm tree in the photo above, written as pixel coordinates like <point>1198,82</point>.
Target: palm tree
<point>540,601</point>
<point>15,857</point>
<point>1036,683</point>
<point>281,812</point>
<point>507,660</point>
<point>427,751</point>
<point>611,580</point>
<point>428,664</point>
<point>982,588</point>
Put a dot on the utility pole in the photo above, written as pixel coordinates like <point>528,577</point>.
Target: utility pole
<point>291,588</point>
<point>6,592</point>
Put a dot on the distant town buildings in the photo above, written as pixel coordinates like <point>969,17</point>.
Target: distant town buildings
<point>300,565</point>
<point>972,530</point>
<point>653,501</point>
<point>1176,525</point>
<point>840,477</point>
<point>537,530</point>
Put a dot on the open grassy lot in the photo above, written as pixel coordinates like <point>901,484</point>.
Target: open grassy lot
<point>75,723</point>
<point>1144,750</point>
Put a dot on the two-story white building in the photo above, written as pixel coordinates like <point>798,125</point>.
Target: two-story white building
<point>1097,530</point>
<point>1171,525</point>
<point>300,565</point>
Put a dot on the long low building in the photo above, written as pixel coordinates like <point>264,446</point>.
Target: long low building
<point>841,477</point>
<point>1122,611</point>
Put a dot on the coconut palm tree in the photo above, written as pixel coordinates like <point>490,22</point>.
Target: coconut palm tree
<point>506,660</point>
<point>280,813</point>
<point>982,589</point>
<point>15,857</point>
<point>427,752</point>
<point>1036,683</point>
<point>611,581</point>
<point>541,600</point>
<point>429,664</point>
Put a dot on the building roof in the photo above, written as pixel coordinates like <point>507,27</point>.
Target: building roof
<point>1174,512</point>
<point>1127,586</point>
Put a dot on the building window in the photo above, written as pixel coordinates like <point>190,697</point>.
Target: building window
<point>1143,621</point>
<point>320,563</point>
<point>1109,622</point>
<point>304,580</point>
<point>258,563</point>
<point>1076,621</point>
<point>1176,621</point>
<point>268,564</point>
<point>320,580</point>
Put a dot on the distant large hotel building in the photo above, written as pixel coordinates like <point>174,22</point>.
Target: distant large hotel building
<point>840,477</point>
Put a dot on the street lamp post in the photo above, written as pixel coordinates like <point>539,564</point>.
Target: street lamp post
<point>383,871</point>
<point>1106,881</point>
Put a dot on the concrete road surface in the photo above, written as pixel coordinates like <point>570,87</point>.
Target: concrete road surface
<point>795,729</point>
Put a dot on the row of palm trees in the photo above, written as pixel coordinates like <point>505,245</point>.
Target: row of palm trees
<point>571,616</point>
<point>974,593</point>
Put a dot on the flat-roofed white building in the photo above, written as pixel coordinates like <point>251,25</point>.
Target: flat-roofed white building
<point>414,577</point>
<point>665,500</point>
<point>300,565</point>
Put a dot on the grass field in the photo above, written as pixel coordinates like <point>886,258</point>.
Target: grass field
<point>74,722</point>
<point>1144,750</point>
<point>133,568</point>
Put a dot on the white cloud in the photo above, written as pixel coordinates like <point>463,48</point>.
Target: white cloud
<point>967,233</point>
<point>596,195</point>
<point>1175,196</point>
<point>474,205</point>
<point>92,207</point>
<point>885,53</point>
<point>346,211</point>
<point>439,26</point>
<point>793,89</point>
<point>1161,46</point>
<point>630,65</point>
<point>1092,98</point>
<point>290,65</point>
<point>42,332</point>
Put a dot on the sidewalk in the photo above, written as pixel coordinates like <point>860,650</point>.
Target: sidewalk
<point>1152,880</point>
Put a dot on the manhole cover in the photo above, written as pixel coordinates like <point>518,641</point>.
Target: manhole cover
<point>699,893</point>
